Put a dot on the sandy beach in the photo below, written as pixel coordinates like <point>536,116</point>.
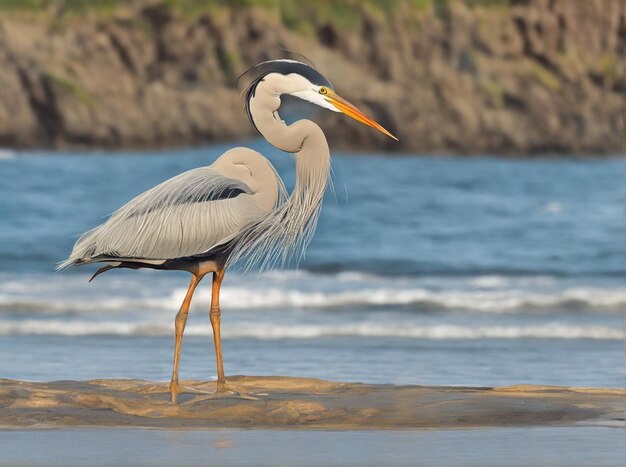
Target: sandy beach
<point>284,402</point>
<point>289,421</point>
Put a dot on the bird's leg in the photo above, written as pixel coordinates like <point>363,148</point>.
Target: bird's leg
<point>222,390</point>
<point>181,320</point>
<point>215,315</point>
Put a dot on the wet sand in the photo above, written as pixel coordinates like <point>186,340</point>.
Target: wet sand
<point>287,403</point>
<point>554,446</point>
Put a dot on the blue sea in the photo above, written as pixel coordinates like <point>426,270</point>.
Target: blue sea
<point>477,271</point>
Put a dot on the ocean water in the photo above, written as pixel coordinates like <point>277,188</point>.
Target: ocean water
<point>455,271</point>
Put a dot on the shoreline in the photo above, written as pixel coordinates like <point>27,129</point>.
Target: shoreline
<point>524,446</point>
<point>301,403</point>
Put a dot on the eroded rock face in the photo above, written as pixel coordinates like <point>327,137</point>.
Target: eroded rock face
<point>530,77</point>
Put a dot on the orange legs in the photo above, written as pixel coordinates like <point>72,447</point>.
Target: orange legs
<point>181,320</point>
<point>215,316</point>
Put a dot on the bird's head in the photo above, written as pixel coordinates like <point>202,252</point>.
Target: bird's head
<point>305,82</point>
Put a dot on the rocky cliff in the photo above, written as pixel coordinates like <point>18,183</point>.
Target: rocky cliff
<point>446,76</point>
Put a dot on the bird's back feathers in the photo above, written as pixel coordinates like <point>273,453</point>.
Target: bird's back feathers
<point>186,215</point>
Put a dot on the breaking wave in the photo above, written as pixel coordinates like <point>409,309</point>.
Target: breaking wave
<point>354,296</point>
<point>267,331</point>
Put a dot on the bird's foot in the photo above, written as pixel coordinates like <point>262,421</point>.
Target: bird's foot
<point>224,391</point>
<point>174,390</point>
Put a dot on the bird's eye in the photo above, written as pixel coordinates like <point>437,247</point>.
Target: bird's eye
<point>324,90</point>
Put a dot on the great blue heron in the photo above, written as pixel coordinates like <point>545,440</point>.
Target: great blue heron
<point>203,220</point>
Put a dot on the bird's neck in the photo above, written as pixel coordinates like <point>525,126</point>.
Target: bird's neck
<point>303,138</point>
<point>287,230</point>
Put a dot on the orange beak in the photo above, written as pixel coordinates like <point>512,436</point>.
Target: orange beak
<point>350,110</point>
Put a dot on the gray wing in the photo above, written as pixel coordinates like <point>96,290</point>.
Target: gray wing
<point>184,216</point>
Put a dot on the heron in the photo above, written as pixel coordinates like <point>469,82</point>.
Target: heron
<point>236,210</point>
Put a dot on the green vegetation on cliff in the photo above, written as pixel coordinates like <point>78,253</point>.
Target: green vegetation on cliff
<point>505,76</point>
<point>295,14</point>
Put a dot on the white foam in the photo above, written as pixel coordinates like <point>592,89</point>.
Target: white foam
<point>471,300</point>
<point>267,331</point>
<point>500,282</point>
<point>288,290</point>
<point>6,154</point>
<point>288,296</point>
<point>79,305</point>
<point>553,207</point>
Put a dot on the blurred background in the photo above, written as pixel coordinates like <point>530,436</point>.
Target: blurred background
<point>446,76</point>
<point>486,248</point>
